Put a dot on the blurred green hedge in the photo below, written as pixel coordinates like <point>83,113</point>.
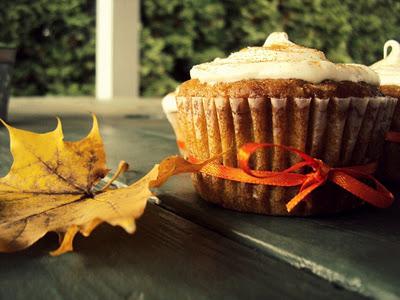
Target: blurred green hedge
<point>56,45</point>
<point>56,39</point>
<point>180,33</point>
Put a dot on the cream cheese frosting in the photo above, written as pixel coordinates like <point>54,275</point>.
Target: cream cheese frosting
<point>280,58</point>
<point>388,68</point>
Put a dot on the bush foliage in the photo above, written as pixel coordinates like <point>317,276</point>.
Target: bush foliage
<point>56,45</point>
<point>180,33</point>
<point>56,39</point>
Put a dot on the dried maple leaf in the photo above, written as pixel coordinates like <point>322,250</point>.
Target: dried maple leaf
<point>50,188</point>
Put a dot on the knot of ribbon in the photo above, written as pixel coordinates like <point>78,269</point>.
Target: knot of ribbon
<point>348,178</point>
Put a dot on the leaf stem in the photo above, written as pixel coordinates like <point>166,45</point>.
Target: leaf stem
<point>123,166</point>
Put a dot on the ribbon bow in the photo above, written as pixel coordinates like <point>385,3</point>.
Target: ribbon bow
<point>320,173</point>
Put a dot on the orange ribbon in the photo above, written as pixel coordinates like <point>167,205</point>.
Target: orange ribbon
<point>180,144</point>
<point>347,177</point>
<point>393,136</point>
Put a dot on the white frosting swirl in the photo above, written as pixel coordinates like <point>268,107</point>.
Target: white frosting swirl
<point>388,68</point>
<point>279,58</point>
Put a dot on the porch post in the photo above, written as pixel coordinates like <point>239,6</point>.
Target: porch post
<point>117,49</point>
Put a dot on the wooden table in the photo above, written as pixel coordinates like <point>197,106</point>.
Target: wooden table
<point>185,248</point>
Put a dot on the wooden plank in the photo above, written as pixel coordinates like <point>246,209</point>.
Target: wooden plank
<point>82,106</point>
<point>168,258</point>
<point>300,242</point>
<point>358,251</point>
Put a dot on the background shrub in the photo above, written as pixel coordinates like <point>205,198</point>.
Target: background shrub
<point>56,45</point>
<point>193,31</point>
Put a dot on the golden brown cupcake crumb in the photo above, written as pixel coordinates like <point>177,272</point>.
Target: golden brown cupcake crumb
<point>278,88</point>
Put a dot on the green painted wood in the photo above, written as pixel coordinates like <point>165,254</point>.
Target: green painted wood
<point>169,257</point>
<point>358,251</point>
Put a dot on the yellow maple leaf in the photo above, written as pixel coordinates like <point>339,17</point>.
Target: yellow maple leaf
<point>50,188</point>
<point>45,163</point>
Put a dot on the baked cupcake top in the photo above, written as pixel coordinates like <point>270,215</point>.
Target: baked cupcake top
<point>279,69</point>
<point>388,68</point>
<point>280,58</point>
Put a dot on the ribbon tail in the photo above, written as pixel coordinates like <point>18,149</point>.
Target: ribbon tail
<point>304,192</point>
<point>379,197</point>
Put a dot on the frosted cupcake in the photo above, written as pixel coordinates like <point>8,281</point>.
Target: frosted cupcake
<point>388,70</point>
<point>286,94</point>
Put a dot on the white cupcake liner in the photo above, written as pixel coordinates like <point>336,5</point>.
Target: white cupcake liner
<point>340,131</point>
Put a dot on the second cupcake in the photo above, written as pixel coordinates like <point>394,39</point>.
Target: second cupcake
<point>388,70</point>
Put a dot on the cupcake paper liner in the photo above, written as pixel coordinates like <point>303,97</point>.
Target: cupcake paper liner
<point>390,163</point>
<point>172,118</point>
<point>340,131</point>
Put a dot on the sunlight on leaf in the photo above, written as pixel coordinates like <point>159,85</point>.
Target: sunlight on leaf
<point>50,188</point>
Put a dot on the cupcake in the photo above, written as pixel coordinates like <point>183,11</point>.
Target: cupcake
<point>388,70</point>
<point>171,111</point>
<point>286,94</point>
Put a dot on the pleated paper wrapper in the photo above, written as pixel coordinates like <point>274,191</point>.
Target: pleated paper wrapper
<point>390,162</point>
<point>340,131</point>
